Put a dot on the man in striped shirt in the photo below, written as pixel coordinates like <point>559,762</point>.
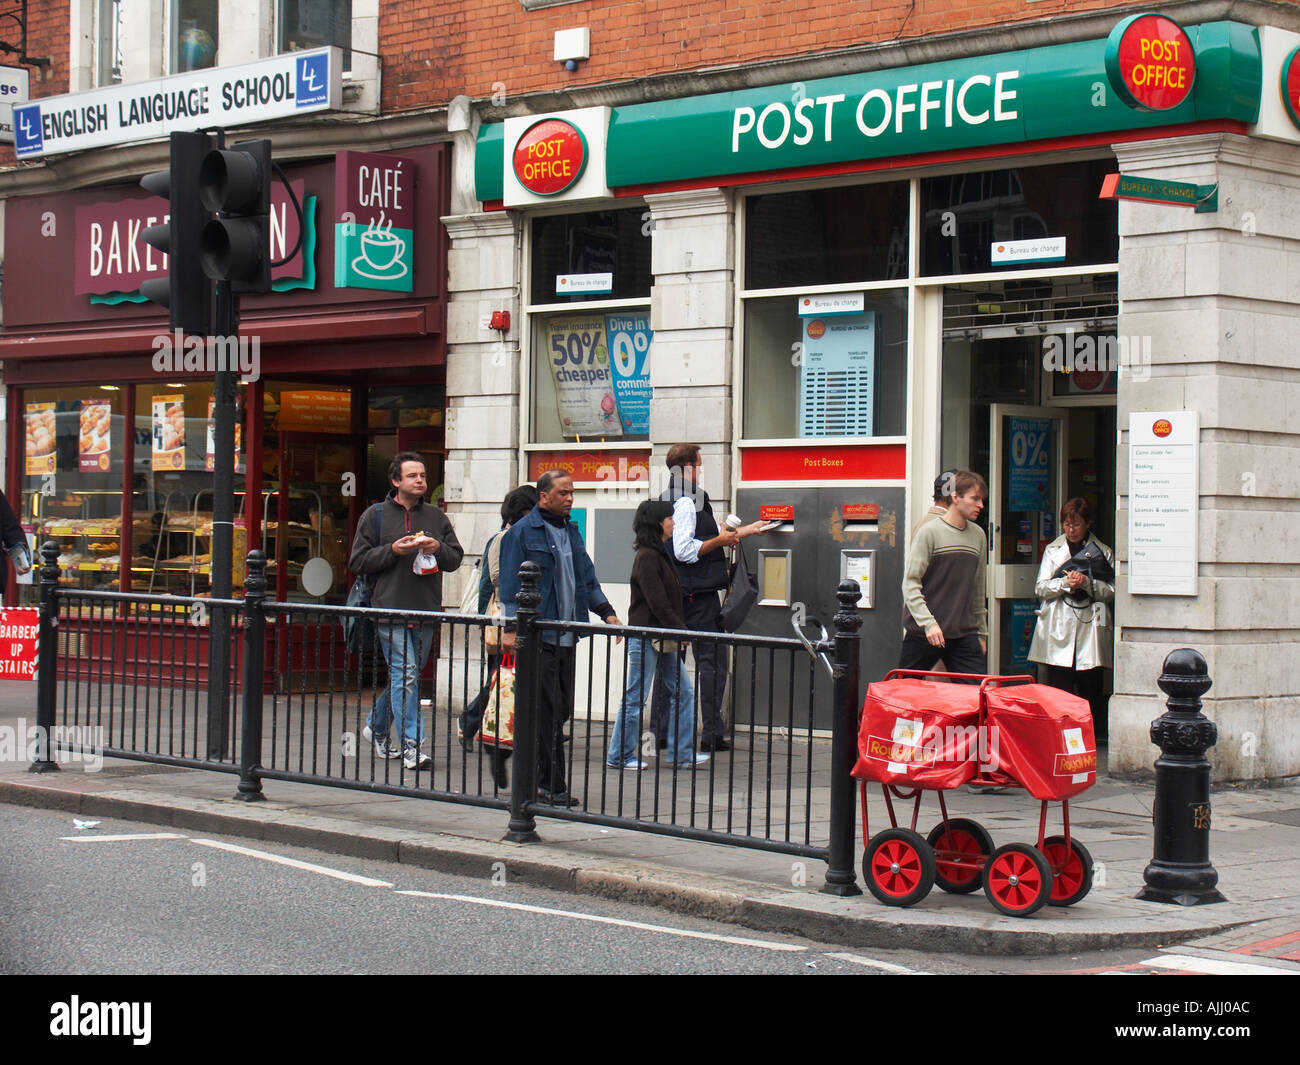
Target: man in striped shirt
<point>944,614</point>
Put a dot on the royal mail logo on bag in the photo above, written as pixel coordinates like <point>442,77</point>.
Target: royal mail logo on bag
<point>914,744</point>
<point>1077,763</point>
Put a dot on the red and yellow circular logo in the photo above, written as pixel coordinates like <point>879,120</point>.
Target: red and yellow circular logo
<point>1162,428</point>
<point>1150,62</point>
<point>816,329</point>
<point>550,156</point>
<point>1291,85</point>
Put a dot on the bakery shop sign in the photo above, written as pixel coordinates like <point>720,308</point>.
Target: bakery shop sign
<point>550,157</point>
<point>1150,62</point>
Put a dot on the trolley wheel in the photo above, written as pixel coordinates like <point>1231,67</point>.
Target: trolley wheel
<point>1071,870</point>
<point>898,867</point>
<point>1017,880</point>
<point>971,841</point>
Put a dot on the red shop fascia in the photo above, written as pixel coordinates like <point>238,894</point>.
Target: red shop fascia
<point>55,335</point>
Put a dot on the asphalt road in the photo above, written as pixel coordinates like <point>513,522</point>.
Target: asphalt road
<point>125,898</point>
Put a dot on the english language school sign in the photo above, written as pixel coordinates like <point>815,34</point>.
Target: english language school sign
<point>285,85</point>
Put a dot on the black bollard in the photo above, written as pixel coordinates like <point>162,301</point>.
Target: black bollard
<point>1180,871</point>
<point>250,736</point>
<point>47,660</point>
<point>523,781</point>
<point>841,873</point>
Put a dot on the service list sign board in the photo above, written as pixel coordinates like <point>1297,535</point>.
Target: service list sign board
<point>1163,501</point>
<point>292,84</point>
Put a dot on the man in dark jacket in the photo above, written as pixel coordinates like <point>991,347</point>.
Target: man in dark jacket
<point>404,564</point>
<point>697,549</point>
<point>570,592</point>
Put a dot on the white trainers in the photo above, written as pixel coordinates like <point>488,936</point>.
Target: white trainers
<point>414,758</point>
<point>383,749</point>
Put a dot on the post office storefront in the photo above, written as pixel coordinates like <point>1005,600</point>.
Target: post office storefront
<point>342,365</point>
<point>839,287</point>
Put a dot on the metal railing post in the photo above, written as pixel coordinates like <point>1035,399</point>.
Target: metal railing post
<point>1180,871</point>
<point>841,876</point>
<point>250,735</point>
<point>47,660</point>
<point>523,781</point>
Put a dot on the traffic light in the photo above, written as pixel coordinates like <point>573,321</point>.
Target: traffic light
<point>185,291</point>
<point>236,246</point>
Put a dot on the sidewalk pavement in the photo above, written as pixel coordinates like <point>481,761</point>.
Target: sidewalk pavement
<point>1254,845</point>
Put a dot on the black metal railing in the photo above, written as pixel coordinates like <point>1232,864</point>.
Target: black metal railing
<point>302,693</point>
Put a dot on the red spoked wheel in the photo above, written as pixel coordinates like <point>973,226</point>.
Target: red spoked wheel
<point>960,849</point>
<point>898,867</point>
<point>1071,870</point>
<point>1017,880</point>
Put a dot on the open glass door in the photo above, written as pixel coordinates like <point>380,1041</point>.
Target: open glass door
<point>1026,489</point>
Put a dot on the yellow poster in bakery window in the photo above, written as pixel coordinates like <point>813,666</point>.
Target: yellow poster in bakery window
<point>94,435</point>
<point>168,432</point>
<point>39,448</point>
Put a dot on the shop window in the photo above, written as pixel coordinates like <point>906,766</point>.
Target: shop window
<point>600,255</point>
<point>590,379</point>
<point>827,236</point>
<point>195,37</point>
<point>837,372</point>
<point>1049,215</point>
<point>306,24</point>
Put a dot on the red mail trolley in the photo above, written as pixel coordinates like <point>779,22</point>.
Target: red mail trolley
<point>927,731</point>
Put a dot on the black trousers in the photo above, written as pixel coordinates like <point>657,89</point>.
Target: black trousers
<point>703,613</point>
<point>557,666</point>
<point>1086,684</point>
<point>962,655</point>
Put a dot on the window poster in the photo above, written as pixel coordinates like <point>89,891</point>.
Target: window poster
<point>630,337</point>
<point>578,354</point>
<point>209,463</point>
<point>38,448</point>
<point>168,432</point>
<point>94,435</point>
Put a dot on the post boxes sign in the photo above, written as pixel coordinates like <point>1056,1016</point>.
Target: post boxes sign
<point>374,224</point>
<point>556,157</point>
<point>1150,62</point>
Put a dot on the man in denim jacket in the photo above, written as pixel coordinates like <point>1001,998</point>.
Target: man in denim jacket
<point>570,592</point>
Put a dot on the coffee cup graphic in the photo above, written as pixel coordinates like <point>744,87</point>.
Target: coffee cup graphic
<point>381,252</point>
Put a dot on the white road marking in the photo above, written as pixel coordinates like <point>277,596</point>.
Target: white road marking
<point>118,839</point>
<point>294,863</point>
<point>1211,966</point>
<point>872,963</point>
<point>736,940</point>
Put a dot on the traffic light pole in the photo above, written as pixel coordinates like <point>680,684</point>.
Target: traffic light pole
<point>226,324</point>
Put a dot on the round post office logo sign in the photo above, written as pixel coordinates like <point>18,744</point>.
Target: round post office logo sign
<point>1162,428</point>
<point>1291,85</point>
<point>550,157</point>
<point>1150,62</point>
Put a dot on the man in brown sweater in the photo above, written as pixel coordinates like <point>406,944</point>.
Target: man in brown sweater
<point>944,615</point>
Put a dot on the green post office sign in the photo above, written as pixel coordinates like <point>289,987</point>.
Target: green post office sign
<point>1036,94</point>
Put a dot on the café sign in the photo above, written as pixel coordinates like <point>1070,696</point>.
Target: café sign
<point>280,87</point>
<point>374,224</point>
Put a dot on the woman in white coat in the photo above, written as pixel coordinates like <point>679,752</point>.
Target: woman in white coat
<point>1074,634</point>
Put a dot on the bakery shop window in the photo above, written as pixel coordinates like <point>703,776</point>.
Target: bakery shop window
<point>171,499</point>
<point>72,482</point>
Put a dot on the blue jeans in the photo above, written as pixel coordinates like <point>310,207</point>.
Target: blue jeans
<point>406,649</point>
<point>644,665</point>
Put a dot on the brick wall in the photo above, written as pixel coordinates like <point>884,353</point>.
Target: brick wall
<point>497,47</point>
<point>47,35</point>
